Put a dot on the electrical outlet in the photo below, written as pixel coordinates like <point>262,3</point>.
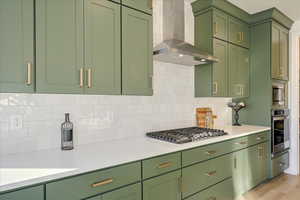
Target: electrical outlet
<point>16,122</point>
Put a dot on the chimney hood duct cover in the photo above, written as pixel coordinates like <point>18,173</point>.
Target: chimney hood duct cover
<point>174,49</point>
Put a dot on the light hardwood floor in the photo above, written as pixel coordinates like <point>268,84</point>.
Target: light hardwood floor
<point>284,187</point>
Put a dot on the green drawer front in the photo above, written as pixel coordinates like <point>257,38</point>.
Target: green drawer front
<point>94,183</point>
<point>200,176</point>
<point>240,143</point>
<point>280,163</point>
<point>143,5</point>
<point>258,138</point>
<point>220,191</point>
<point>34,193</point>
<point>204,153</point>
<point>155,166</point>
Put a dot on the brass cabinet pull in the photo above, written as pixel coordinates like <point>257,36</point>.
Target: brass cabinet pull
<point>81,75</point>
<point>242,36</point>
<point>239,36</point>
<point>102,183</point>
<point>215,89</point>
<point>212,173</point>
<point>164,165</point>
<point>215,28</point>
<point>211,152</point>
<point>89,72</point>
<point>281,164</point>
<point>241,143</point>
<point>29,73</point>
<point>259,138</point>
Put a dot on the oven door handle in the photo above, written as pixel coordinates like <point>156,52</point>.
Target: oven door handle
<point>279,118</point>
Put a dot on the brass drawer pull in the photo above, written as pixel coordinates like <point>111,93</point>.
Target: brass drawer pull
<point>215,88</point>
<point>211,152</point>
<point>29,73</point>
<point>259,138</point>
<point>81,74</point>
<point>241,143</point>
<point>102,183</point>
<point>212,173</point>
<point>150,2</point>
<point>281,164</point>
<point>164,165</point>
<point>215,28</point>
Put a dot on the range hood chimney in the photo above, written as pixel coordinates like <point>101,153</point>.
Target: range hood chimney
<point>174,49</point>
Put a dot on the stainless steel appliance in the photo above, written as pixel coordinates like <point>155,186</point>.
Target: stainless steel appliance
<point>279,97</point>
<point>280,130</point>
<point>185,135</point>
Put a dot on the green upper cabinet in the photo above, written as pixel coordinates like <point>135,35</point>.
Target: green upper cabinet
<point>137,61</point>
<point>239,71</point>
<point>280,52</point>
<point>220,69</point>
<point>132,192</point>
<point>34,193</point>
<point>59,46</point>
<point>239,32</point>
<point>142,5</point>
<point>17,70</point>
<point>220,25</point>
<point>165,187</point>
<point>102,47</point>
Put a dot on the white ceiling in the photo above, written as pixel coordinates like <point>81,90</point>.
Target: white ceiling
<point>288,7</point>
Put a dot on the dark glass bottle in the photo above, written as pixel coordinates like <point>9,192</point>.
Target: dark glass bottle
<point>67,134</point>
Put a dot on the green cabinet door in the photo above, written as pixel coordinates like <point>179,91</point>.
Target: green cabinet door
<point>17,46</point>
<point>240,172</point>
<point>280,40</point>
<point>102,47</point>
<point>220,69</point>
<point>239,71</point>
<point>34,193</point>
<point>258,164</point>
<point>239,32</point>
<point>137,62</point>
<point>166,187</point>
<point>59,46</point>
<point>220,25</point>
<point>142,5</point>
<point>133,192</point>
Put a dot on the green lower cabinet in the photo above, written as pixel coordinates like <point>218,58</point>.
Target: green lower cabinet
<point>240,172</point>
<point>17,70</point>
<point>34,193</point>
<point>133,192</point>
<point>165,187</point>
<point>102,47</point>
<point>258,163</point>
<point>203,175</point>
<point>239,71</point>
<point>137,61</point>
<point>220,191</point>
<point>59,46</point>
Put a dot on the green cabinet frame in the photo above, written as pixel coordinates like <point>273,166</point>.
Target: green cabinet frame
<point>17,66</point>
<point>142,5</point>
<point>137,58</point>
<point>33,193</point>
<point>165,187</point>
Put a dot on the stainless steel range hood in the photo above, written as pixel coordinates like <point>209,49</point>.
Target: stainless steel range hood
<point>174,49</point>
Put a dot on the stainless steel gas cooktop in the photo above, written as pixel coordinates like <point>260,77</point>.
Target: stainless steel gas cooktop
<point>185,135</point>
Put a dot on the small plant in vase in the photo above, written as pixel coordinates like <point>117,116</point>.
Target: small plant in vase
<point>236,107</point>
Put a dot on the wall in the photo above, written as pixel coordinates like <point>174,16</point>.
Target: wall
<point>104,118</point>
<point>294,98</point>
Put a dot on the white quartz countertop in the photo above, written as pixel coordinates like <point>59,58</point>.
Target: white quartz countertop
<point>21,170</point>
